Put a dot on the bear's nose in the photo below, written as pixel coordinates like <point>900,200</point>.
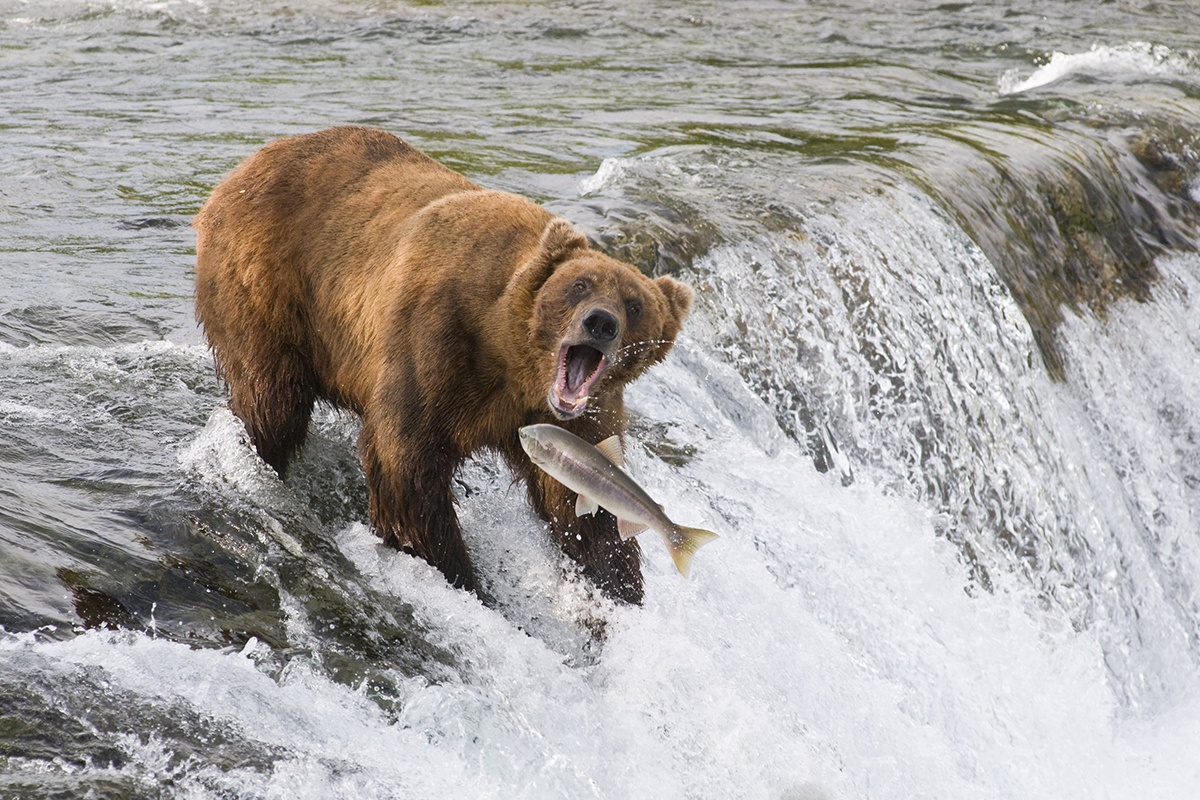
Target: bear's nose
<point>601,325</point>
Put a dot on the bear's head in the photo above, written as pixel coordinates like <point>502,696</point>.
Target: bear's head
<point>595,321</point>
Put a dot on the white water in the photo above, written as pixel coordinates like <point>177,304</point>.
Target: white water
<point>825,647</point>
<point>830,643</point>
<point>1120,63</point>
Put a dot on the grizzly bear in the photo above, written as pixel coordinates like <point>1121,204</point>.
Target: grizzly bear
<point>347,266</point>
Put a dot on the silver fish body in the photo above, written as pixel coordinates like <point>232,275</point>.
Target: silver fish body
<point>594,473</point>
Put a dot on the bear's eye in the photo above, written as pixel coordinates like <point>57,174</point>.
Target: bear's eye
<point>633,310</point>
<point>580,287</point>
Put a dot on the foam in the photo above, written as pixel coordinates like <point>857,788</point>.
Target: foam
<point>1134,60</point>
<point>824,647</point>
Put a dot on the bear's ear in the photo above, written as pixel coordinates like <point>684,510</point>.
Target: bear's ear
<point>679,301</point>
<point>678,298</point>
<point>558,242</point>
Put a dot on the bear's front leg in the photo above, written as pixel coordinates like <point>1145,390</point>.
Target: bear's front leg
<point>411,502</point>
<point>615,565</point>
<point>592,541</point>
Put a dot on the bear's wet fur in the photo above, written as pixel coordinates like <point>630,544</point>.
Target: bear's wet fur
<point>347,266</point>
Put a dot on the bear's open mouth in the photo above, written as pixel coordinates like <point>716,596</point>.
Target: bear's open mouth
<point>578,368</point>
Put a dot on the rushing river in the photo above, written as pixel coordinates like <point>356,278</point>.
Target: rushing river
<point>940,396</point>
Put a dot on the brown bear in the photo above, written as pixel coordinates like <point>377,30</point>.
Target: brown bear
<point>349,267</point>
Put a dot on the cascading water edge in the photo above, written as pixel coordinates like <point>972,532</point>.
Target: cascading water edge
<point>939,321</point>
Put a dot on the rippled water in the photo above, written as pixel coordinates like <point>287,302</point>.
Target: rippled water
<point>939,395</point>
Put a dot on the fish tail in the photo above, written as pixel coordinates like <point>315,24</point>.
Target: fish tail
<point>684,544</point>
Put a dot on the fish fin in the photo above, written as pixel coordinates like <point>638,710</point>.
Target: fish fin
<point>610,448</point>
<point>585,505</point>
<point>690,540</point>
<point>628,529</point>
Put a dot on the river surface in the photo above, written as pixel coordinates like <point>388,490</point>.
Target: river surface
<point>940,396</point>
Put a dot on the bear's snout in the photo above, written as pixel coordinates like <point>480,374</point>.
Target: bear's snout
<point>589,345</point>
<point>601,325</point>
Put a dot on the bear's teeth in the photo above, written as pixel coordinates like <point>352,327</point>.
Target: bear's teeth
<point>582,366</point>
<point>579,366</point>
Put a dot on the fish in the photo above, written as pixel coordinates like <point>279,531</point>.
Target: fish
<point>595,473</point>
